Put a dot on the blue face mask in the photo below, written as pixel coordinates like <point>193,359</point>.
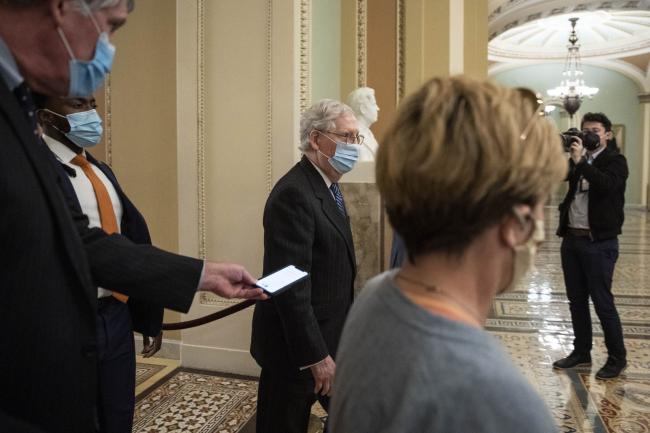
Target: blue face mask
<point>345,156</point>
<point>85,128</point>
<point>87,76</point>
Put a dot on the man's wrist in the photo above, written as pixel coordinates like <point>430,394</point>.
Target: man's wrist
<point>311,365</point>
<point>200,284</point>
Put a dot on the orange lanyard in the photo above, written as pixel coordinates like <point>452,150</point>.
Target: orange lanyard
<point>444,308</point>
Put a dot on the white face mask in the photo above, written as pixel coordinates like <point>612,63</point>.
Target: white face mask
<point>525,256</point>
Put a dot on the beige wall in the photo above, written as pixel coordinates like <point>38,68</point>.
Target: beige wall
<point>204,99</point>
<point>143,118</point>
<point>238,123</point>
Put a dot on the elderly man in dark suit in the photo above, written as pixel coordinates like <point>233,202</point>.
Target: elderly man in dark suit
<point>51,263</point>
<point>295,334</point>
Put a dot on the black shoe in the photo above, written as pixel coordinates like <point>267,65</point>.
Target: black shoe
<point>612,368</point>
<point>573,360</point>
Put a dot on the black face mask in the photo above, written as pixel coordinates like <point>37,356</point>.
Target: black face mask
<point>590,141</point>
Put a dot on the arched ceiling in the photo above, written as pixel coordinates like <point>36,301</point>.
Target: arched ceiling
<point>539,29</point>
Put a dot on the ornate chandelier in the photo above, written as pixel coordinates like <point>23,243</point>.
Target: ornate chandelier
<point>572,88</point>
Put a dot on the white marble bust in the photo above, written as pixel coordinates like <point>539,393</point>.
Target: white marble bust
<point>363,103</point>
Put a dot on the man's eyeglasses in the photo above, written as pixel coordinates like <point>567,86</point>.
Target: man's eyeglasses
<point>540,110</point>
<point>349,138</point>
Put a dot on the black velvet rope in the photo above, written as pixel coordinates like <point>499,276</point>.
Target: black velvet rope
<point>209,318</point>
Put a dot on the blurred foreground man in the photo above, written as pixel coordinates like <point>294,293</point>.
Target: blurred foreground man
<point>414,356</point>
<point>591,218</point>
<point>51,263</point>
<point>296,333</point>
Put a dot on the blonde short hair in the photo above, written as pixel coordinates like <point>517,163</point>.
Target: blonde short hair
<point>453,162</point>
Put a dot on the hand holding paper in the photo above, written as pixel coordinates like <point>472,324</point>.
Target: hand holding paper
<point>229,280</point>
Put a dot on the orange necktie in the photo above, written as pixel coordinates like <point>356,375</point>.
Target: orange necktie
<point>106,212</point>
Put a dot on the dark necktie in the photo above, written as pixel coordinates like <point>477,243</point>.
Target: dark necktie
<point>338,197</point>
<point>26,101</point>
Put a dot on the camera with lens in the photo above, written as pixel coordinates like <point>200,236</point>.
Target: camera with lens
<point>590,140</point>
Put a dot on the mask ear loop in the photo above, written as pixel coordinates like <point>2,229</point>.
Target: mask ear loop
<point>58,115</point>
<point>65,42</point>
<point>522,219</point>
<point>92,18</point>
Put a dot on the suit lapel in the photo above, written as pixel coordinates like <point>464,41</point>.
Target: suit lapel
<point>330,209</point>
<point>43,162</point>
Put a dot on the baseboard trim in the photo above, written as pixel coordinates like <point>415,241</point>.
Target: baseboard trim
<point>234,361</point>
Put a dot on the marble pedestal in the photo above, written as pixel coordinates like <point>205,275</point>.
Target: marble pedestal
<point>363,205</point>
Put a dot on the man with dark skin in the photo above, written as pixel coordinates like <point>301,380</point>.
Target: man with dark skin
<point>116,320</point>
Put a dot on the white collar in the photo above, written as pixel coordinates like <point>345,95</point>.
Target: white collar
<point>595,154</point>
<point>62,152</point>
<point>327,180</point>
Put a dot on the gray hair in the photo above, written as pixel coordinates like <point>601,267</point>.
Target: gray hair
<point>360,97</point>
<point>93,5</point>
<point>321,117</point>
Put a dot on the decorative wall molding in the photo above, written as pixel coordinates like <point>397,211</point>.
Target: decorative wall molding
<point>644,98</point>
<point>603,52</point>
<point>305,54</point>
<point>108,132</point>
<point>400,52</point>
<point>207,298</point>
<point>628,70</point>
<point>269,95</point>
<point>362,42</point>
<point>200,127</point>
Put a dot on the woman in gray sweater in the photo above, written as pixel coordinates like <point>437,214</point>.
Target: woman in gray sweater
<point>464,171</point>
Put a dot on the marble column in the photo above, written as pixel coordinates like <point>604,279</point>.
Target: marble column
<point>445,37</point>
<point>398,45</point>
<point>644,101</point>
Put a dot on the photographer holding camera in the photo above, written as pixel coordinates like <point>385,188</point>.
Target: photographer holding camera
<point>591,217</point>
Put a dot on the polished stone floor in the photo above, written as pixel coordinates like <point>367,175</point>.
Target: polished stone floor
<point>534,324</point>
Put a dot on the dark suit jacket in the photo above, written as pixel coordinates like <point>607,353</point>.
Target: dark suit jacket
<point>50,266</point>
<point>146,317</point>
<point>606,176</point>
<point>303,227</point>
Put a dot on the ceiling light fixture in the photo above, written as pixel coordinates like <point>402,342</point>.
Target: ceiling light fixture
<point>572,88</point>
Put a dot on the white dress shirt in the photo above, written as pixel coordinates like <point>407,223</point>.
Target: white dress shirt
<point>85,192</point>
<point>326,179</point>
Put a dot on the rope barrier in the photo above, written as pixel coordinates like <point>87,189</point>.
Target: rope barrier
<point>209,318</point>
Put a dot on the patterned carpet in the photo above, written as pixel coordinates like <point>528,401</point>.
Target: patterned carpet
<point>198,402</point>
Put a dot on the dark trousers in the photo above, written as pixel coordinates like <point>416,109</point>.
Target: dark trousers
<point>284,401</point>
<point>116,367</point>
<point>588,270</point>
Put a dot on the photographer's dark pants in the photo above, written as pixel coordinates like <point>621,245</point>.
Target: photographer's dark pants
<point>588,269</point>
